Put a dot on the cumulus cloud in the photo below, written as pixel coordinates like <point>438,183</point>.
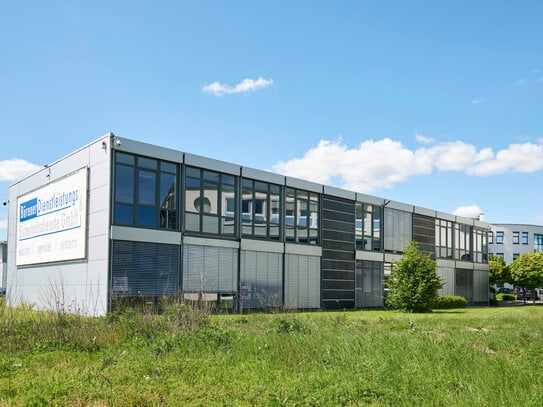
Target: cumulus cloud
<point>16,168</point>
<point>422,139</point>
<point>383,163</point>
<point>470,211</point>
<point>246,85</point>
<point>3,224</point>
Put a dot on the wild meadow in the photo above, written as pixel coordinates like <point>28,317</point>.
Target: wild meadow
<point>466,357</point>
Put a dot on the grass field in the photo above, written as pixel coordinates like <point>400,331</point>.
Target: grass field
<point>468,357</point>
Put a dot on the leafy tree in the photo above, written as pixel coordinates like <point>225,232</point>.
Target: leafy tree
<point>413,282</point>
<point>499,273</point>
<point>527,270</point>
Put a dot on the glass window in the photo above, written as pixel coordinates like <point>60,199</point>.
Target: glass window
<point>210,202</point>
<point>444,239</point>
<point>146,187</point>
<point>462,239</point>
<point>302,216</point>
<point>368,227</point>
<point>144,192</point>
<point>516,237</point>
<point>490,237</point>
<point>499,237</point>
<point>124,184</point>
<point>516,256</point>
<point>524,237</point>
<point>538,242</point>
<point>480,246</point>
<point>261,210</point>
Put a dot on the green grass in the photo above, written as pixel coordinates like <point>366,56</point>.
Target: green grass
<point>483,357</point>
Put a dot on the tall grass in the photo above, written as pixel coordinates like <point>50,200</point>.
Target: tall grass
<point>462,357</point>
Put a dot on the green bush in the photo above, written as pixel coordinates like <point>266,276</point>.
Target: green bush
<point>449,302</point>
<point>506,297</point>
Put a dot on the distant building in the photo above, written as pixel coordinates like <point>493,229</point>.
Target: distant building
<point>509,241</point>
<point>124,222</point>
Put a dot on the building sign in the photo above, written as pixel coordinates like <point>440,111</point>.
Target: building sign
<point>52,221</point>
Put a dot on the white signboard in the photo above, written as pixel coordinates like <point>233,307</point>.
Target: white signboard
<point>52,221</point>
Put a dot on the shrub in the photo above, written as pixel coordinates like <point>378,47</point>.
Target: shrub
<point>449,302</point>
<point>413,282</point>
<point>506,297</point>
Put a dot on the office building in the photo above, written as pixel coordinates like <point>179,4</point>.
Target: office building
<point>124,222</point>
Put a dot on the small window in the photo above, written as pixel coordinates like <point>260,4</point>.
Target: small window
<point>499,237</point>
<point>516,237</point>
<point>516,256</point>
<point>490,237</point>
<point>524,237</point>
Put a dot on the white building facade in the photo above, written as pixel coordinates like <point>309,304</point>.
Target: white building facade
<point>509,241</point>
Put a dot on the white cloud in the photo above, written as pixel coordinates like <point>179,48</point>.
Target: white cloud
<point>247,85</point>
<point>371,165</point>
<point>16,168</point>
<point>477,101</point>
<point>470,211</point>
<point>522,82</point>
<point>381,164</point>
<point>422,139</point>
<point>525,158</point>
<point>3,224</point>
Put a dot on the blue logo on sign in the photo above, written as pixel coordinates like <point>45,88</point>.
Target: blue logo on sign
<point>28,210</point>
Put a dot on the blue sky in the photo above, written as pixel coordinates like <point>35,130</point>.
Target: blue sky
<point>433,103</point>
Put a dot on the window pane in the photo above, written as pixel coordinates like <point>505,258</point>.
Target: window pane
<point>228,180</point>
<point>192,172</point>
<point>122,158</point>
<point>167,190</point>
<point>124,214</point>
<point>210,224</point>
<point>211,176</point>
<point>210,201</point>
<point>168,167</point>
<point>146,187</point>
<point>192,194</point>
<point>146,217</point>
<point>124,184</point>
<point>150,163</point>
<point>228,200</point>
<point>313,211</point>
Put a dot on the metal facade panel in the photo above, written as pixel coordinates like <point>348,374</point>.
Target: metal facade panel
<point>264,176</point>
<point>145,149</point>
<point>211,164</point>
<point>338,263</point>
<point>302,184</point>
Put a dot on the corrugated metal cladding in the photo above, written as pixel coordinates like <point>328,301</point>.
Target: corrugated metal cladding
<point>338,249</point>
<point>144,269</point>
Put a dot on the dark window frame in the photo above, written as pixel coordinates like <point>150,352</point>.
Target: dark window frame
<point>156,213</point>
